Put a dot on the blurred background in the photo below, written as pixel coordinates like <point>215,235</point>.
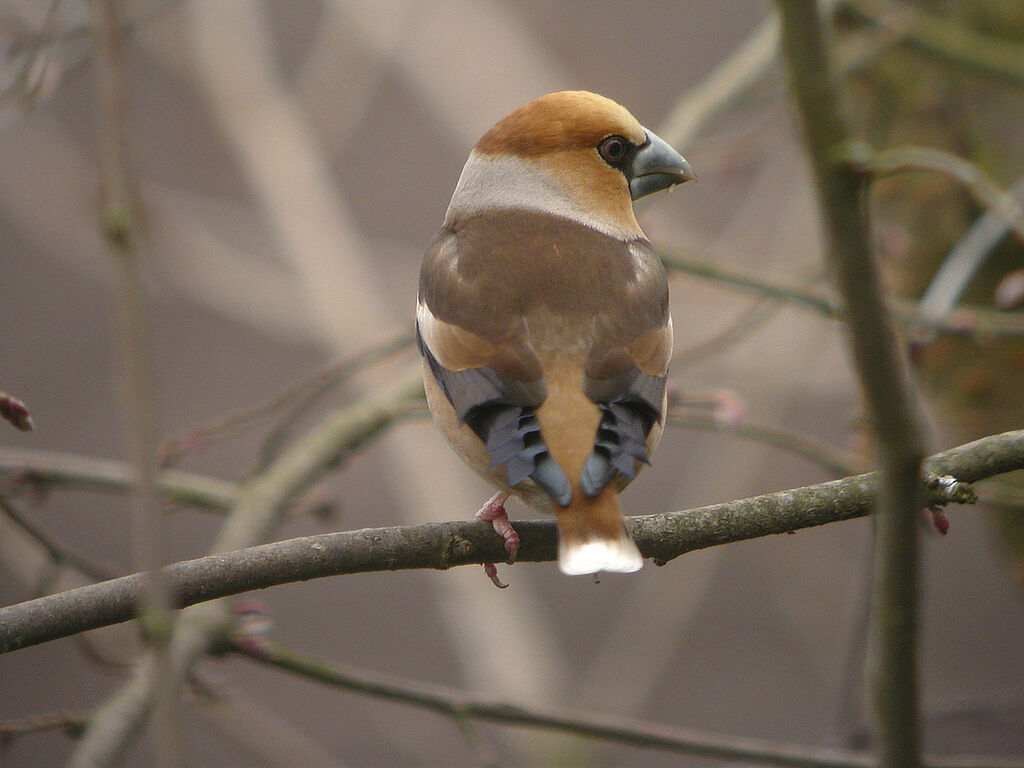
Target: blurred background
<point>294,159</point>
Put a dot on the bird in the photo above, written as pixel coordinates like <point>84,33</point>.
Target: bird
<point>543,320</point>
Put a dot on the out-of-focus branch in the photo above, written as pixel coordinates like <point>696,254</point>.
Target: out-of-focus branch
<point>260,506</point>
<point>716,92</point>
<point>121,229</point>
<point>946,40</point>
<point>45,470</point>
<point>459,705</point>
<point>831,460</point>
<point>283,408</point>
<point>59,552</point>
<point>902,159</point>
<point>964,261</point>
<point>661,537</point>
<point>964,322</point>
<point>892,626</point>
<point>72,723</point>
<point>307,393</point>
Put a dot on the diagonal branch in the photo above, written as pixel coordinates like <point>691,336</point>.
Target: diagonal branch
<point>946,40</point>
<point>460,705</point>
<point>661,537</point>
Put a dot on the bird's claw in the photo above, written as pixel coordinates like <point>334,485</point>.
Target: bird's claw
<point>493,512</point>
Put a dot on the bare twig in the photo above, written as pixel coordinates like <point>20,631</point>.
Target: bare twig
<point>50,469</point>
<point>892,629</point>
<point>831,460</point>
<point>946,40</point>
<point>59,552</point>
<point>964,322</point>
<point>963,262</point>
<point>283,408</point>
<point>981,185</point>
<point>121,227</point>
<point>260,506</point>
<point>460,705</point>
<point>306,394</point>
<point>733,77</point>
<point>755,317</point>
<point>72,723</point>
<point>661,537</point>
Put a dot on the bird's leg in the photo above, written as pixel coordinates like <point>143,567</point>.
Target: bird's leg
<point>493,512</point>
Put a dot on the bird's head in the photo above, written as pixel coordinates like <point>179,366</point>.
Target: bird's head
<point>572,153</point>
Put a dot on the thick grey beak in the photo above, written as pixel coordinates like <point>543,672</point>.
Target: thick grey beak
<point>657,166</point>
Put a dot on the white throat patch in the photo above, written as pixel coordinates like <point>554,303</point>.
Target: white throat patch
<point>503,181</point>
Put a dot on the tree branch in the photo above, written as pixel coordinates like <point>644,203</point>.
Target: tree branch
<point>261,504</point>
<point>946,40</point>
<point>883,373</point>
<point>51,469</point>
<point>985,190</point>
<point>661,537</point>
<point>828,458</point>
<point>460,705</point>
<point>122,233</point>
<point>963,322</point>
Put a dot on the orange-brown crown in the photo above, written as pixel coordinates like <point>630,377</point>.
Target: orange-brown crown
<point>560,121</point>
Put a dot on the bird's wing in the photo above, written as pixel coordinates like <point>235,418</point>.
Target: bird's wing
<point>626,370</point>
<point>615,292</point>
<point>494,382</point>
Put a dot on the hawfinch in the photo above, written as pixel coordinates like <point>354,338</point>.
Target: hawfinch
<point>543,319</point>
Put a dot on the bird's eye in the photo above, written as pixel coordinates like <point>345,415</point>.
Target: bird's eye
<point>613,149</point>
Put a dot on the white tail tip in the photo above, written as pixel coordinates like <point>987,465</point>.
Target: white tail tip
<point>576,558</point>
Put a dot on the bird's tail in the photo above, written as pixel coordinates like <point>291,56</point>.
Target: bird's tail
<point>592,536</point>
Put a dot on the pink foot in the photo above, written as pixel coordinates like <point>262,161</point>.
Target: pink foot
<point>493,512</point>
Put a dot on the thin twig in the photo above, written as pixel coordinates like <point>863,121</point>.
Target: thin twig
<point>882,370</point>
<point>963,262</point>
<point>460,705</point>
<point>966,321</point>
<point>283,408</point>
<point>946,40</point>
<point>831,460</point>
<point>47,470</point>
<point>755,317</point>
<point>304,396</point>
<point>661,537</point>
<point>260,506</point>
<point>59,552</point>
<point>72,723</point>
<point>980,184</point>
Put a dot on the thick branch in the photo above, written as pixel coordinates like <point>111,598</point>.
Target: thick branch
<point>444,545</point>
<point>892,626</point>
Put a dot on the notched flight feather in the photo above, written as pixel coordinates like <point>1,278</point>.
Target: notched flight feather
<point>501,411</point>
